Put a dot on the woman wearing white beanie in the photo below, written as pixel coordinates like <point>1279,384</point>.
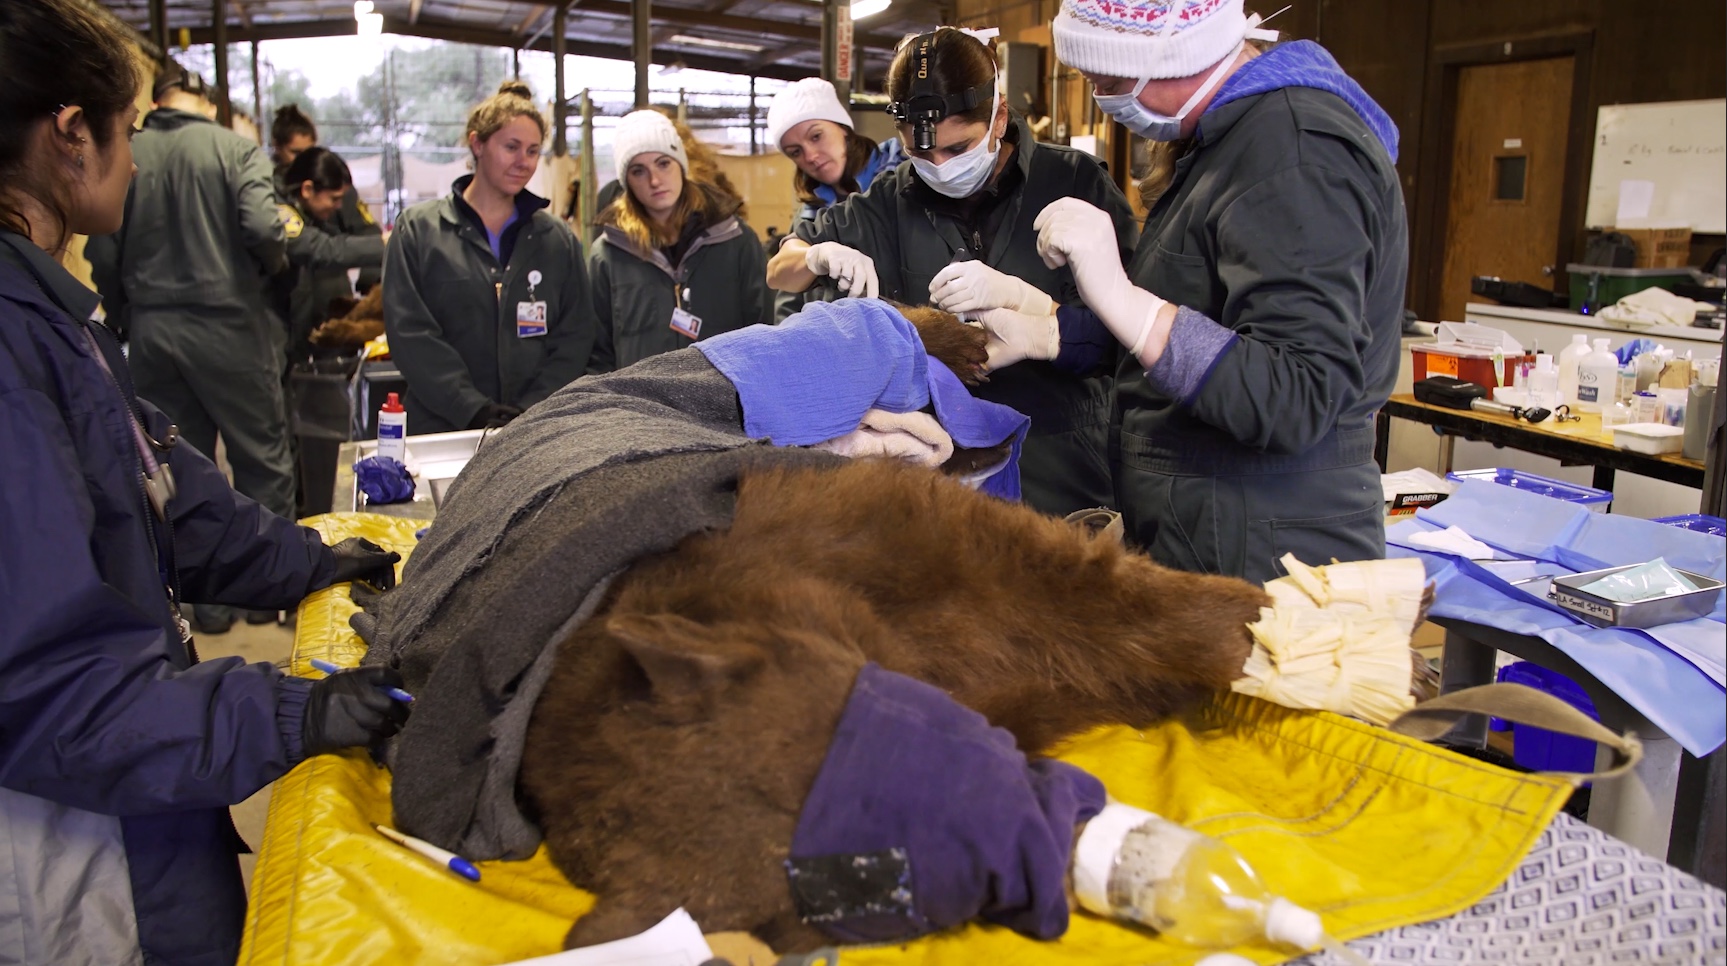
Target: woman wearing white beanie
<point>1262,308</point>
<point>674,261</point>
<point>807,122</point>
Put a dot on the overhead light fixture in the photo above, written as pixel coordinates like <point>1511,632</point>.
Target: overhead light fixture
<point>690,41</point>
<point>868,8</point>
<point>361,8</point>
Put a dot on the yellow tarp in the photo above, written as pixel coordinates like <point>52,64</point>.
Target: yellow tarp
<point>1370,829</point>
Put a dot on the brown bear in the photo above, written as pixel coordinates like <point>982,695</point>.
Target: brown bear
<point>684,724</point>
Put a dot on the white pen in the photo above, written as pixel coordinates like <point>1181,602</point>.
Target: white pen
<point>450,860</point>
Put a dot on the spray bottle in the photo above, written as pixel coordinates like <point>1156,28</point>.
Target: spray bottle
<point>1191,888</point>
<point>393,430</point>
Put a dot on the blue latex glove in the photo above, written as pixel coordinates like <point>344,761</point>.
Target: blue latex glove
<point>384,480</point>
<point>1629,350</point>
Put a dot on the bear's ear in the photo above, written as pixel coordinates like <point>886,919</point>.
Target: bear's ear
<point>682,658</point>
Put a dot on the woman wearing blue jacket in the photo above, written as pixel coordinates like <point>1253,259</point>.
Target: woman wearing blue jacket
<point>809,125</point>
<point>119,750</point>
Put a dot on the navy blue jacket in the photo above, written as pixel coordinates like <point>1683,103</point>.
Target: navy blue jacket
<point>102,707</point>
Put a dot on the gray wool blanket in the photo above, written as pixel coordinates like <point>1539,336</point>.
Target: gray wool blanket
<point>605,471</point>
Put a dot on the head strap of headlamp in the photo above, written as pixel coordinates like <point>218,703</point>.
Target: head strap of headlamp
<point>923,108</point>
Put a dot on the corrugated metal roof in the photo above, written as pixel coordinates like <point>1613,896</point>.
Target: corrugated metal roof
<point>770,38</point>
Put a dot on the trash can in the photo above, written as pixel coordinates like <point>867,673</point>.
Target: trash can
<point>321,419</point>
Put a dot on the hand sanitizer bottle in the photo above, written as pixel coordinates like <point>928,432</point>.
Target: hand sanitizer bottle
<point>392,430</point>
<point>1597,378</point>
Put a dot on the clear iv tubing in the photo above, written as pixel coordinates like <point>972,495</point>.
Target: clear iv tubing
<point>1338,949</point>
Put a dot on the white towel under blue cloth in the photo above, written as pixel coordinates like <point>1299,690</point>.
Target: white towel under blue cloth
<point>852,356</point>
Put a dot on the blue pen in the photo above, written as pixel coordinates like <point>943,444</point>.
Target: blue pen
<point>396,693</point>
<point>449,860</point>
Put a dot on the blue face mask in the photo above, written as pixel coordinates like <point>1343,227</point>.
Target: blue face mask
<point>1147,123</point>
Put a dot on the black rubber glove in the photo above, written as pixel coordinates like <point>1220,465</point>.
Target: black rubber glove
<point>492,415</point>
<point>360,559</point>
<point>350,708</point>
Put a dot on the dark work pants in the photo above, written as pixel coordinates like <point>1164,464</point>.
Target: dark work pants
<point>1240,526</point>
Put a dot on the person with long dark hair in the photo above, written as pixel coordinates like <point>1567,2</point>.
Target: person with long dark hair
<point>293,133</point>
<point>485,294</point>
<point>809,125</point>
<point>674,263</point>
<point>121,751</point>
<point>316,186</point>
<point>953,227</point>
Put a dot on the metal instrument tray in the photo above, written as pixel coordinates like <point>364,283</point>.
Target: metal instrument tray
<point>438,458</point>
<point>1567,592</point>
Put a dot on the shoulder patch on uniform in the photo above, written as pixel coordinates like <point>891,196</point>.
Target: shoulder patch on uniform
<point>365,212</point>
<point>292,224</point>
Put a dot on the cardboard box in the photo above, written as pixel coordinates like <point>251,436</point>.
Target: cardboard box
<point>1660,247</point>
<point>1465,350</point>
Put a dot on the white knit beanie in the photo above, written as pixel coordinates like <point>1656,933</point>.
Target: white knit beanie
<point>1147,38</point>
<point>811,99</point>
<point>645,131</point>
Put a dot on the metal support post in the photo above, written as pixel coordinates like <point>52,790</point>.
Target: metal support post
<point>159,27</point>
<point>258,99</point>
<point>837,46</point>
<point>590,190</point>
<point>560,106</point>
<point>642,48</point>
<point>219,24</point>
<point>752,114</point>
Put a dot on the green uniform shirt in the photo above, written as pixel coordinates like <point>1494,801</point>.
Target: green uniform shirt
<point>450,310</point>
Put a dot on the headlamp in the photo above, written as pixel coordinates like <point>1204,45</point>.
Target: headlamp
<point>923,108</point>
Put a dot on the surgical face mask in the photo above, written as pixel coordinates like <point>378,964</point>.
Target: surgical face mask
<point>1147,123</point>
<point>960,177</point>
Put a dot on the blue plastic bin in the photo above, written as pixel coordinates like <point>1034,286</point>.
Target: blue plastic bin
<point>1596,500</point>
<point>1537,748</point>
<point>1700,522</point>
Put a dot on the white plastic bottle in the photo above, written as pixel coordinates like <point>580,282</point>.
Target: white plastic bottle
<point>1191,888</point>
<point>392,430</point>
<point>1597,378</point>
<point>1543,384</point>
<point>1569,357</point>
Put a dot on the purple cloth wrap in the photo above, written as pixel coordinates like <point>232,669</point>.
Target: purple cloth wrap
<point>987,832</point>
<point>384,480</point>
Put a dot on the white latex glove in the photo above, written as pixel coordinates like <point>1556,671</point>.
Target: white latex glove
<point>972,286</point>
<point>1016,335</point>
<point>1081,236</point>
<point>852,269</point>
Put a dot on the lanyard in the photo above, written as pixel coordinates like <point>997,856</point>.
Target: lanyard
<point>158,477</point>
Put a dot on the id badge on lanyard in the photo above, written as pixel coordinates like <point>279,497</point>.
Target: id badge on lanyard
<point>531,315</point>
<point>684,322</point>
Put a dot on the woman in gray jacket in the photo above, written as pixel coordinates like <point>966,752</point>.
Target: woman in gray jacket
<point>674,262</point>
<point>485,294</point>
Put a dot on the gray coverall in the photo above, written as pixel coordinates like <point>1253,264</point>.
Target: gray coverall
<point>201,238</point>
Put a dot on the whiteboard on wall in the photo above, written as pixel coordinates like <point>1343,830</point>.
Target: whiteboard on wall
<point>1660,166</point>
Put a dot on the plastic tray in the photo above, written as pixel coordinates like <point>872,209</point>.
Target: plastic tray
<point>1596,500</point>
<point>1537,748</point>
<point>1700,522</point>
<point>1567,592</point>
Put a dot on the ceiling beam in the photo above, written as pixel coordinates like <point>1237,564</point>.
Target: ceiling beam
<point>774,54</point>
<point>458,33</point>
<point>682,16</point>
<point>414,10</point>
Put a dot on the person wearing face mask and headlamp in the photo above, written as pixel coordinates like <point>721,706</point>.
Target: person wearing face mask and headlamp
<point>952,226</point>
<point>1261,310</point>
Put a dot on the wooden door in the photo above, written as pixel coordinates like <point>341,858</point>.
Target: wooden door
<point>1507,175</point>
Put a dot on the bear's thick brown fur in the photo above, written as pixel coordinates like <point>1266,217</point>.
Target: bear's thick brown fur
<point>684,724</point>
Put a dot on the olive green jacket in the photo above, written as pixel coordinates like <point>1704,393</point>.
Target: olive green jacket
<point>721,279</point>
<point>910,244</point>
<point>450,312</point>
